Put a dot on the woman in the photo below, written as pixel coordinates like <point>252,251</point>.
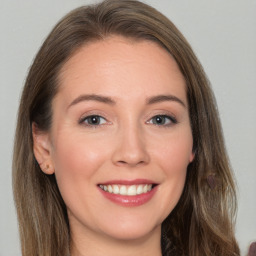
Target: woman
<point>119,148</point>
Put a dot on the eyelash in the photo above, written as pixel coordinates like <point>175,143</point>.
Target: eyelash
<point>85,120</point>
<point>172,120</point>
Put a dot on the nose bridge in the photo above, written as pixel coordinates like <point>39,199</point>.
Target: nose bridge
<point>131,146</point>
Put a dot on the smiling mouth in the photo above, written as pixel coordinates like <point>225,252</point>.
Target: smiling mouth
<point>127,190</point>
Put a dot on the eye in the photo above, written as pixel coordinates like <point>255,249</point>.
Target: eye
<point>163,120</point>
<point>93,120</point>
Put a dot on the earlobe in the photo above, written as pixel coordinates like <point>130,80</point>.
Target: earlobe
<point>192,156</point>
<point>42,149</point>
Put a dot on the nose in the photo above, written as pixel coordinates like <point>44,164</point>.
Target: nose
<point>131,150</point>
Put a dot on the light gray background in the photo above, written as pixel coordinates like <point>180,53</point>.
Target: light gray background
<point>223,35</point>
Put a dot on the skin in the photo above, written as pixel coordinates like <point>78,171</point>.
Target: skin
<point>127,144</point>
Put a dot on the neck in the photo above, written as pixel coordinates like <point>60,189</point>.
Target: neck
<point>93,244</point>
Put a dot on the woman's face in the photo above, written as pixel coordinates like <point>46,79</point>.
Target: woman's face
<point>121,140</point>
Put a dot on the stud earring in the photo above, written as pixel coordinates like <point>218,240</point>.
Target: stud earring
<point>46,168</point>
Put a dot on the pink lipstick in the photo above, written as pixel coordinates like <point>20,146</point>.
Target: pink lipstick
<point>128,193</point>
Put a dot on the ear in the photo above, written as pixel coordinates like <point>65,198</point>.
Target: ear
<point>42,149</point>
<point>191,157</point>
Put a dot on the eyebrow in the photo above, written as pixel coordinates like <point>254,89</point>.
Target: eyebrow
<point>92,97</point>
<point>162,98</point>
<point>108,100</point>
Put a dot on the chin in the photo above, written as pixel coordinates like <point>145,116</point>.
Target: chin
<point>133,230</point>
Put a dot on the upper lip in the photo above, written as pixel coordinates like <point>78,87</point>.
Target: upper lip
<point>128,182</point>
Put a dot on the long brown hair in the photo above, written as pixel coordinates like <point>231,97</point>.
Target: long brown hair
<point>202,222</point>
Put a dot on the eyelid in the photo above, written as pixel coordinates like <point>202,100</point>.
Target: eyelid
<point>165,114</point>
<point>171,117</point>
<point>89,114</point>
<point>87,117</point>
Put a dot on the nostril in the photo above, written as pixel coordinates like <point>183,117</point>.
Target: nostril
<point>130,163</point>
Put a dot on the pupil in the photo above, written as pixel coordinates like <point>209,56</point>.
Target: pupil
<point>159,119</point>
<point>94,120</point>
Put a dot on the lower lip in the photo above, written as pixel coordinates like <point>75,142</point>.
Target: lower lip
<point>129,200</point>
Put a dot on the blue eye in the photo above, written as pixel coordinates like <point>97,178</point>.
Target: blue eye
<point>163,120</point>
<point>93,120</point>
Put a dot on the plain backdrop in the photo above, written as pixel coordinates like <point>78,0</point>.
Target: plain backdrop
<point>222,34</point>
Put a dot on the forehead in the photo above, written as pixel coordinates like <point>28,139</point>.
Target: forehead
<point>119,63</point>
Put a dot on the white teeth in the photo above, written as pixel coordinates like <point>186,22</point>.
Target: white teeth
<point>115,189</point>
<point>123,190</point>
<point>131,190</point>
<point>110,190</point>
<point>139,190</point>
<point>127,190</point>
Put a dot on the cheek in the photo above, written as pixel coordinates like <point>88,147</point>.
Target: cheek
<point>175,153</point>
<point>174,164</point>
<point>76,163</point>
<point>174,158</point>
<point>76,153</point>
